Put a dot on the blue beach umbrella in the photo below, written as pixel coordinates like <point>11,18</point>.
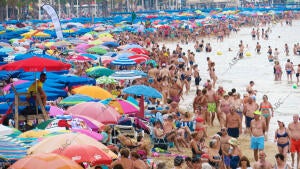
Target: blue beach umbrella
<point>123,61</point>
<point>143,90</point>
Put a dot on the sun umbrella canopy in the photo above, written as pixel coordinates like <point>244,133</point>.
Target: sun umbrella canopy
<point>143,90</point>
<point>85,153</point>
<point>106,80</point>
<point>11,149</point>
<point>99,71</point>
<point>93,91</point>
<point>78,58</point>
<point>95,110</point>
<point>123,61</point>
<point>139,51</point>
<point>130,75</point>
<point>52,143</point>
<point>45,161</point>
<point>97,50</point>
<point>122,106</point>
<point>36,64</point>
<point>75,99</point>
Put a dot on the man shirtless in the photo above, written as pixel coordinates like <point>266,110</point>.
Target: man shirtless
<point>294,133</point>
<point>153,73</point>
<point>289,70</point>
<point>233,123</point>
<point>262,163</point>
<point>225,147</point>
<point>212,102</point>
<point>257,130</point>
<point>249,108</point>
<point>164,71</point>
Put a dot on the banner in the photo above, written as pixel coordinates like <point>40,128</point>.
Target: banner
<point>55,20</point>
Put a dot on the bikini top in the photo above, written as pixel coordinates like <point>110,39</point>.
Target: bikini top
<point>285,134</point>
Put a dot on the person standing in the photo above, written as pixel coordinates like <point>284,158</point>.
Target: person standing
<point>233,123</point>
<point>282,138</point>
<point>294,133</point>
<point>257,130</point>
<point>212,102</point>
<point>297,74</point>
<point>289,70</point>
<point>249,108</point>
<point>266,109</point>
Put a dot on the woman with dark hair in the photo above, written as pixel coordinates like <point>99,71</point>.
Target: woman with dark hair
<point>282,138</point>
<point>280,162</point>
<point>178,162</point>
<point>244,163</point>
<point>123,160</point>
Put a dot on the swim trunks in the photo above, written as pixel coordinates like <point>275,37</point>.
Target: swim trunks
<point>197,81</point>
<point>258,143</point>
<point>248,121</point>
<point>295,146</point>
<point>288,72</point>
<point>233,132</point>
<point>211,107</point>
<point>297,74</point>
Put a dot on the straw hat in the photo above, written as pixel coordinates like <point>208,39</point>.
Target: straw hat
<point>233,141</point>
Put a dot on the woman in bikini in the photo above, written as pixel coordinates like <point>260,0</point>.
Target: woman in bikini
<point>195,146</point>
<point>165,89</point>
<point>265,107</point>
<point>277,71</point>
<point>282,138</point>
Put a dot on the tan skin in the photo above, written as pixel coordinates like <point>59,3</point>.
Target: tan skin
<point>282,140</point>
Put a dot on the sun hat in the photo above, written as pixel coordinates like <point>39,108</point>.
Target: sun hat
<point>257,112</point>
<point>233,141</point>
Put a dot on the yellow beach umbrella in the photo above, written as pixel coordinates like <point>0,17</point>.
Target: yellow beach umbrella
<point>34,134</point>
<point>105,35</point>
<point>41,34</point>
<point>93,91</point>
<point>96,42</point>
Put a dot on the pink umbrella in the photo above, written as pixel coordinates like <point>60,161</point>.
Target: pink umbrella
<point>89,133</point>
<point>7,87</point>
<point>97,111</point>
<point>78,58</point>
<point>81,48</point>
<point>54,111</point>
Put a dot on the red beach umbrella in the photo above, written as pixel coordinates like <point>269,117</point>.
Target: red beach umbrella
<point>139,51</point>
<point>36,64</point>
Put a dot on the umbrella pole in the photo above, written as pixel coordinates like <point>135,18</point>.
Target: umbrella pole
<point>36,106</point>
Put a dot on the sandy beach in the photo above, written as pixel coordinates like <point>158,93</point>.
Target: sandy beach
<point>255,67</point>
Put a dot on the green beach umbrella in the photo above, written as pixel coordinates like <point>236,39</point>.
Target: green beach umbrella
<point>106,80</point>
<point>75,99</point>
<point>99,71</point>
<point>97,50</point>
<point>44,124</point>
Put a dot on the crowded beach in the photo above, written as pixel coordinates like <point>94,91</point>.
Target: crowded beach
<point>149,93</point>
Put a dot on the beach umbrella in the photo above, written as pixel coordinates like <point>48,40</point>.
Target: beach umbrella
<point>122,106</point>
<point>36,64</point>
<point>11,148</point>
<point>110,44</point>
<point>85,153</point>
<point>89,133</point>
<point>62,141</point>
<point>123,61</point>
<point>107,39</point>
<point>96,42</point>
<point>93,91</point>
<point>78,58</point>
<point>139,60</point>
<point>95,110</point>
<point>81,48</point>
<point>153,62</point>
<point>62,43</point>
<point>99,71</point>
<point>54,111</point>
<point>4,130</point>
<point>125,54</point>
<point>122,75</point>
<point>91,123</point>
<point>45,161</point>
<point>43,125</point>
<point>139,51</point>
<point>106,80</point>
<point>35,133</point>
<point>75,99</point>
<point>92,56</point>
<point>15,83</point>
<point>97,50</point>
<point>143,90</point>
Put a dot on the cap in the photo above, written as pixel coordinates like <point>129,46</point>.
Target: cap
<point>163,64</point>
<point>205,156</point>
<point>257,112</point>
<point>233,141</point>
<point>199,119</point>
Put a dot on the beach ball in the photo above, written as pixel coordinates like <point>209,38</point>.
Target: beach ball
<point>248,54</point>
<point>295,86</point>
<point>219,53</point>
